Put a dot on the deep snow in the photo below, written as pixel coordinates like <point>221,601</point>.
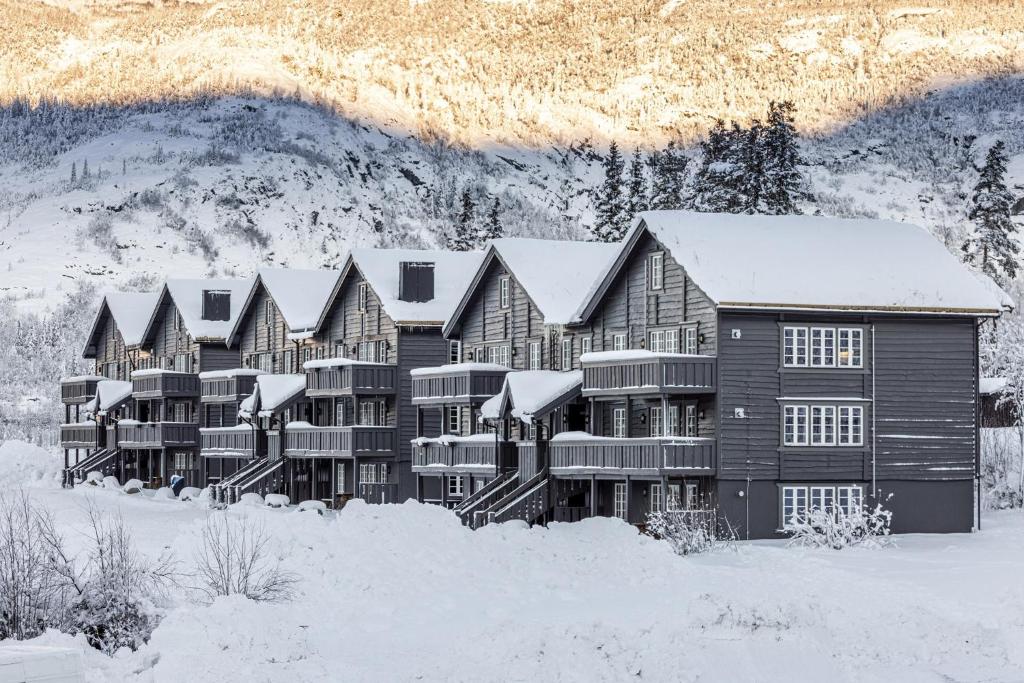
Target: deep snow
<point>403,592</point>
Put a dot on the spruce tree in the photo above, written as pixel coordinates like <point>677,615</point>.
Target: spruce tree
<point>611,221</point>
<point>993,246</point>
<point>74,174</point>
<point>782,179</point>
<point>668,169</point>
<point>464,238</point>
<point>637,199</point>
<point>492,229</point>
<point>751,179</point>
<point>716,185</point>
<point>85,170</point>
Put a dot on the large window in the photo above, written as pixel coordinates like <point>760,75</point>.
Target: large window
<point>619,423</point>
<point>663,341</point>
<point>672,421</point>
<point>500,355</point>
<point>823,347</point>
<point>657,270</point>
<point>504,286</point>
<point>829,425</point>
<point>833,499</point>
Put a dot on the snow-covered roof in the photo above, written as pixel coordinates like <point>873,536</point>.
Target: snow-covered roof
<point>131,312</point>
<point>272,393</point>
<point>333,363</point>
<point>458,368</point>
<point>187,295</point>
<point>989,386</point>
<point>110,394</point>
<point>233,372</point>
<point>453,271</point>
<point>817,262</point>
<point>632,355</point>
<point>527,394</point>
<point>300,295</point>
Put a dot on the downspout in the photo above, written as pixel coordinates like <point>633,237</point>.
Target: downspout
<point>874,410</point>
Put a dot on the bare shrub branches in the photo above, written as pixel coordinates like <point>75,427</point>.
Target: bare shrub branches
<point>235,558</point>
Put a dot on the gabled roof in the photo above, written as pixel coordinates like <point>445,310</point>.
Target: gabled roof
<point>131,312</point>
<point>187,296</point>
<point>555,274</point>
<point>300,296</point>
<point>812,263</point>
<point>453,271</point>
<point>531,394</point>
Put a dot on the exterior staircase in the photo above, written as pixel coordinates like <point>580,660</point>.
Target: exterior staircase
<point>479,502</point>
<point>261,476</point>
<point>103,460</point>
<point>528,501</point>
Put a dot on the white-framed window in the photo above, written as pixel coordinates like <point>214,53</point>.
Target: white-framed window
<point>182,460</point>
<point>794,343</point>
<point>478,354</point>
<point>454,419</point>
<point>822,498</point>
<point>692,499</point>
<point>655,420</point>
<point>619,500</point>
<point>674,500</point>
<point>176,319</point>
<point>823,425</point>
<point>455,486</point>
<point>823,347</point>
<point>363,295</point>
<point>672,341</point>
<point>691,420</point>
<point>183,362</point>
<point>385,473</point>
<point>672,421</point>
<point>339,349</point>
<point>454,351</point>
<point>619,423</point>
<point>656,341</point>
<point>535,355</point>
<point>851,347</point>
<point>504,289</point>
<point>657,501</point>
<point>506,355</point>
<point>850,498</point>
<point>268,313</point>
<point>690,341</point>
<point>339,478</point>
<point>657,270</point>
<point>339,414</point>
<point>307,354</point>
<point>794,504</point>
<point>288,361</point>
<point>382,351</point>
<point>567,354</point>
<point>832,499</point>
<point>618,342</point>
<point>493,354</point>
<point>367,473</point>
<point>794,426</point>
<point>373,413</point>
<point>531,431</point>
<point>586,345</point>
<point>851,426</point>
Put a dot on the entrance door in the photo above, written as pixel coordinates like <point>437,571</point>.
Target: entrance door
<point>576,417</point>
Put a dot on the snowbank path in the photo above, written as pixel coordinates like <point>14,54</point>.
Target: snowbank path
<point>403,592</point>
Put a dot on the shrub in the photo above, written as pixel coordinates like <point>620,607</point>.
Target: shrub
<point>235,559</point>
<point>839,529</point>
<point>690,532</point>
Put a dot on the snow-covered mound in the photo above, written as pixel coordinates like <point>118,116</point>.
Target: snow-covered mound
<point>23,464</point>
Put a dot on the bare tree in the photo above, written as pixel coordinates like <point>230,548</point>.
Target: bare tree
<point>235,559</point>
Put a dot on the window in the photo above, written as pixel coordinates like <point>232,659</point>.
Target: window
<point>567,354</point>
<point>823,425</point>
<point>674,500</point>
<point>850,347</point>
<point>657,270</point>
<point>655,420</point>
<point>382,351</point>
<point>339,414</point>
<point>339,478</point>
<point>586,344</point>
<point>691,420</point>
<point>851,426</point>
<point>794,426</point>
<point>504,286</point>
<point>535,356</point>
<point>657,502</point>
<point>367,473</point>
<point>182,460</point>
<point>850,499</point>
<point>372,413</point>
<point>339,349</point>
<point>493,354</point>
<point>690,341</point>
<point>798,501</point>
<point>531,431</point>
<point>478,354</point>
<point>183,362</point>
<point>385,473</point>
<point>672,341</point>
<point>268,319</point>
<point>287,361</point>
<point>619,342</point>
<point>362,297</point>
<point>454,419</point>
<point>656,341</point>
<point>176,319</point>
<point>692,498</point>
<point>307,354</point>
<point>794,346</point>
<point>506,355</point>
<point>823,347</point>
<point>455,487</point>
<point>180,412</point>
<point>454,351</point>
<point>822,498</point>
<point>619,501</point>
<point>672,421</point>
<point>794,504</point>
<point>619,423</point>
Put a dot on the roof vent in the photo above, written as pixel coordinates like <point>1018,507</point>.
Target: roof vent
<point>416,281</point>
<point>216,304</point>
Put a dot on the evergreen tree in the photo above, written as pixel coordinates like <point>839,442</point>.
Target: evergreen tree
<point>492,228</point>
<point>85,170</point>
<point>993,245</point>
<point>637,199</point>
<point>716,185</point>
<point>782,180</point>
<point>611,220</point>
<point>464,238</point>
<point>668,169</point>
<point>751,179</point>
<point>74,174</point>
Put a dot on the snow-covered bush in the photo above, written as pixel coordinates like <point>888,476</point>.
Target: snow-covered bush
<point>133,486</point>
<point>251,498</point>
<point>235,558</point>
<point>689,532</point>
<point>317,506</point>
<point>190,493</point>
<point>839,529</point>
<point>276,500</point>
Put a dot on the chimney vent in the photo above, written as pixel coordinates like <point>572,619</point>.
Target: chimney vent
<point>216,304</point>
<point>416,281</point>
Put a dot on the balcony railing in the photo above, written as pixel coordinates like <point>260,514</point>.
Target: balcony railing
<point>655,374</point>
<point>78,390</point>
<point>349,380</point>
<point>131,434</point>
<point>217,389</point>
<point>165,384</point>
<point>479,456</point>
<point>338,442</point>
<point>451,384</point>
<point>379,493</point>
<point>227,442</point>
<point>82,435</point>
<point>668,455</point>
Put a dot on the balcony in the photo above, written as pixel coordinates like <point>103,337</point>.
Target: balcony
<point>619,373</point>
<point>473,454</point>
<point>584,454</point>
<point>302,440</point>
<point>164,384</point>
<point>230,385</point>
<point>82,435</point>
<point>78,390</point>
<point>132,434</point>
<point>227,442</point>
<point>379,494</point>
<point>351,379</point>
<point>459,384</point>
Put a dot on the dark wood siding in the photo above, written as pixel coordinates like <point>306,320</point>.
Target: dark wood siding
<point>347,325</point>
<point>217,356</point>
<point>419,348</point>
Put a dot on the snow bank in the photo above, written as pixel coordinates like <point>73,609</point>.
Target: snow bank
<point>23,464</point>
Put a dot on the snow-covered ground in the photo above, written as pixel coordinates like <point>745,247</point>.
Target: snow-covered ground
<point>403,592</point>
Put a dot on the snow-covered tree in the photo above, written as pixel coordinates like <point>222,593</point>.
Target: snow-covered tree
<point>637,198</point>
<point>993,245</point>
<point>668,183</point>
<point>464,238</point>
<point>611,220</point>
<point>1002,355</point>
<point>492,228</point>
<point>716,185</point>
<point>783,182</point>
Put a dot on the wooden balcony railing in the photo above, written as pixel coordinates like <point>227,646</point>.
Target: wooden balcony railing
<point>217,389</point>
<point>475,456</point>
<point>656,374</point>
<point>165,384</point>
<point>237,442</point>
<point>78,390</point>
<point>379,493</point>
<point>131,434</point>
<point>349,380</point>
<point>649,456</point>
<point>338,442</point>
<point>452,385</point>
<point>82,435</point>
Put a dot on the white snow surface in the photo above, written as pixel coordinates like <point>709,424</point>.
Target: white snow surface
<point>334,363</point>
<point>131,312</point>
<point>109,393</point>
<point>526,391</point>
<point>631,354</point>
<point>820,262</point>
<point>556,275</point>
<point>233,372</point>
<point>299,294</point>
<point>188,298</point>
<point>458,368</point>
<point>273,391</point>
<point>453,272</point>
<point>988,386</point>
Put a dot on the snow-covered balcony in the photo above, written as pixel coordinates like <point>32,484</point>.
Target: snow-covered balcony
<point>164,384</point>
<point>581,453</point>
<point>134,434</point>
<point>477,454</point>
<point>303,440</point>
<point>227,442</point>
<point>78,390</point>
<point>639,372</point>
<point>347,377</point>
<point>221,386</point>
<point>457,384</point>
<point>82,435</point>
